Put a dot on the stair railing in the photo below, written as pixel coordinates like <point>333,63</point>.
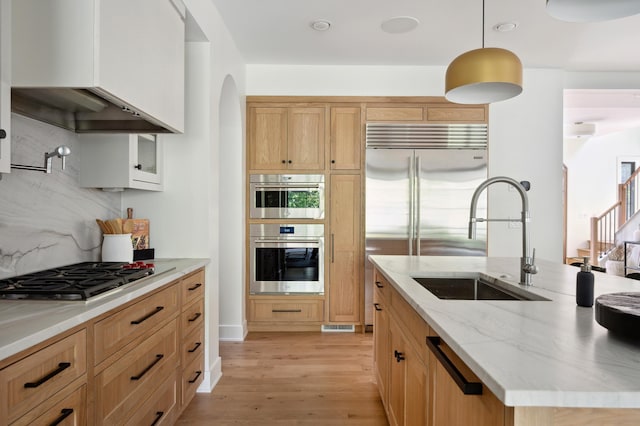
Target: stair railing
<point>605,226</point>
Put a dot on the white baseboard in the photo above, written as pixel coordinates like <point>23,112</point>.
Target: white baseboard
<point>211,377</point>
<point>233,333</point>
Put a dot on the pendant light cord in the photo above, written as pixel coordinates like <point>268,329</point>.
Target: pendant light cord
<point>483,24</point>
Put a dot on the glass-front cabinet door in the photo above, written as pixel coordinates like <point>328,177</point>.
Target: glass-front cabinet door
<point>145,155</point>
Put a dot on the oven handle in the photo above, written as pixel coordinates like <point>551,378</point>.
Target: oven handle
<point>287,186</point>
<point>288,241</point>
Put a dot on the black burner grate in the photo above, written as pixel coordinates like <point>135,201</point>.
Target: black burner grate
<point>79,281</point>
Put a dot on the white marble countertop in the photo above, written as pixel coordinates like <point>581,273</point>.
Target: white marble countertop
<point>529,353</point>
<point>24,323</point>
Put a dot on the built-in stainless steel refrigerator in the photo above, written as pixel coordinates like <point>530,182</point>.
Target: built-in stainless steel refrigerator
<point>418,194</point>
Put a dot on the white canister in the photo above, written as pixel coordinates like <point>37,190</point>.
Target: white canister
<point>117,248</point>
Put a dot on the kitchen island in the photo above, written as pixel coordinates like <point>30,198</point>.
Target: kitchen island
<point>529,354</point>
<point>131,355</point>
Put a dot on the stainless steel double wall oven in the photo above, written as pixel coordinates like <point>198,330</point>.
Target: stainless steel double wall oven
<point>286,257</point>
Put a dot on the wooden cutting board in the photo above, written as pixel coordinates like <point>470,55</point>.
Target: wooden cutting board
<point>139,233</point>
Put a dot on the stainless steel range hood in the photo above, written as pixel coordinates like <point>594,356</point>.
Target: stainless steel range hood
<point>81,111</point>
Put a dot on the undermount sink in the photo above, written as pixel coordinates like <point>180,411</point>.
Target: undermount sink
<point>474,289</point>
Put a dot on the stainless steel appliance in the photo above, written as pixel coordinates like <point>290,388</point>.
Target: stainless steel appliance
<point>80,281</point>
<point>286,258</point>
<point>287,196</point>
<point>419,184</point>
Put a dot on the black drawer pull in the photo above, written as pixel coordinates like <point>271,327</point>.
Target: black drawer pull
<point>61,367</point>
<point>467,388</point>
<point>159,415</point>
<point>64,413</point>
<point>379,284</point>
<point>195,347</point>
<point>399,356</point>
<point>3,133</point>
<point>195,317</point>
<point>149,367</point>
<point>195,287</point>
<point>146,317</point>
<point>198,373</point>
<point>285,310</point>
<point>377,306</point>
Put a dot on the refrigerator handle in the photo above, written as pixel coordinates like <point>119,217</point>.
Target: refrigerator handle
<point>417,205</point>
<point>411,204</point>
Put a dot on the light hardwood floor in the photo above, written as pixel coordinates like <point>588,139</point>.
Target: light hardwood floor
<point>293,379</point>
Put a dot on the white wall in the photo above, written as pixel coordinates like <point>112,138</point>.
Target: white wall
<point>525,135</point>
<point>185,218</point>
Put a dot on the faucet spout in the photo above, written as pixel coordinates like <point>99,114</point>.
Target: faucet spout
<point>527,263</point>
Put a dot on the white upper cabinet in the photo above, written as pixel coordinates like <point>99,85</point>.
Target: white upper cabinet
<point>5,86</point>
<point>130,53</point>
<point>118,162</point>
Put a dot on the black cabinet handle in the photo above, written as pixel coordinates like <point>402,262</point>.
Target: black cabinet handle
<point>399,356</point>
<point>198,373</point>
<point>61,367</point>
<point>138,166</point>
<point>467,388</point>
<point>197,345</point>
<point>149,367</point>
<point>3,134</point>
<point>284,162</point>
<point>290,161</point>
<point>146,317</point>
<point>159,415</point>
<point>195,287</point>
<point>285,310</point>
<point>379,284</point>
<point>195,317</point>
<point>377,306</point>
<point>64,413</point>
<point>333,161</point>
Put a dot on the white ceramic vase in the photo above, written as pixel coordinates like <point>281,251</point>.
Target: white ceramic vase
<point>117,248</point>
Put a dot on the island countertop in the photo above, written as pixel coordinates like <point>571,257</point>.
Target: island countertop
<point>25,323</point>
<point>529,353</point>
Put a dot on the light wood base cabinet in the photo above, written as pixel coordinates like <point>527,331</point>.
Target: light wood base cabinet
<point>144,365</point>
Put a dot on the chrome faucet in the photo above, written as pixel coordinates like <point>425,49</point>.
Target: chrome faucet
<point>527,264</point>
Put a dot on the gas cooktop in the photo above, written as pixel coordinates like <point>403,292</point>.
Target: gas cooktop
<point>80,281</point>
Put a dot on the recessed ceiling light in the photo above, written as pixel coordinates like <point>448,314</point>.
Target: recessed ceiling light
<point>320,25</point>
<point>505,27</point>
<point>399,24</point>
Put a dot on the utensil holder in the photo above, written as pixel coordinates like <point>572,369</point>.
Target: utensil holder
<point>117,248</point>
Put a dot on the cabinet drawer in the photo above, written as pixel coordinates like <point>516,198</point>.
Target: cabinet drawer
<point>161,407</point>
<point>456,114</point>
<point>70,410</point>
<point>381,285</point>
<point>35,378</point>
<point>192,345</point>
<point>192,376</point>
<point>413,113</point>
<point>192,316</point>
<point>285,311</point>
<point>122,328</point>
<point>192,287</point>
<point>126,383</point>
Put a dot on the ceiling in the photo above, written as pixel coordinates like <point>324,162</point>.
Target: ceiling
<point>279,32</point>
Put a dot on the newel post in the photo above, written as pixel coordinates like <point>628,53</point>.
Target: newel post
<point>595,243</point>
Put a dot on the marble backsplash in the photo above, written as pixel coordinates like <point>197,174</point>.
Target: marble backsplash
<point>47,220</point>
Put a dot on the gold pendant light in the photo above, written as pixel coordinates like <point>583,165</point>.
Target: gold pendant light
<point>485,75</point>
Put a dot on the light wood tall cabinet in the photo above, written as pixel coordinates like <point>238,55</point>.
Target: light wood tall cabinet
<point>346,137</point>
<point>286,138</point>
<point>345,249</point>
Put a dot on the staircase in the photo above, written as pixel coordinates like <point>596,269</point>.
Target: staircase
<point>617,223</point>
